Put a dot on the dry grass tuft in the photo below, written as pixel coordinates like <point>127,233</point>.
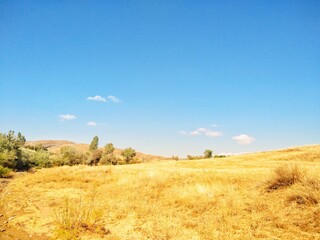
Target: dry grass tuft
<point>285,175</point>
<point>306,192</point>
<point>79,215</point>
<point>304,197</point>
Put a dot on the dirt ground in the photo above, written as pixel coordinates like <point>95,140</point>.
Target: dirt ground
<point>9,230</point>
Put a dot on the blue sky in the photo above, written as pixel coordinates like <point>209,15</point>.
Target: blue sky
<point>172,77</point>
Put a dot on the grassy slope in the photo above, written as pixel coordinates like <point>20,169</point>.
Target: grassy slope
<point>202,199</point>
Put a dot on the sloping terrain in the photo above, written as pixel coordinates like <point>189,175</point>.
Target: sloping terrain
<point>270,195</point>
<point>54,146</point>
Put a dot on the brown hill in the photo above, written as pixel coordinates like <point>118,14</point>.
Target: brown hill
<point>54,146</point>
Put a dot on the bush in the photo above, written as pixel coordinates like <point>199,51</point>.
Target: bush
<point>94,157</point>
<point>5,172</point>
<point>79,215</point>
<point>136,160</point>
<point>70,156</point>
<point>128,154</point>
<point>285,176</point>
<point>58,161</point>
<point>42,159</point>
<point>189,157</point>
<point>107,159</point>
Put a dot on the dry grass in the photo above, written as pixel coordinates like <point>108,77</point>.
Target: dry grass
<point>285,176</point>
<point>227,198</point>
<point>83,214</point>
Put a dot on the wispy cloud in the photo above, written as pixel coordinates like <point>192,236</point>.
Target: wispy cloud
<point>183,133</point>
<point>243,139</point>
<point>214,125</point>
<point>67,117</point>
<point>113,99</point>
<point>92,124</point>
<point>202,131</point>
<point>97,98</point>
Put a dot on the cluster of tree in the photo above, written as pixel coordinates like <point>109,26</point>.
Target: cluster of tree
<point>15,156</point>
<point>36,147</point>
<point>10,151</point>
<point>11,155</point>
<point>207,154</point>
<point>70,156</point>
<point>175,158</point>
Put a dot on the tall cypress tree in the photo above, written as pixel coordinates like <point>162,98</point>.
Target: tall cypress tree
<point>94,144</point>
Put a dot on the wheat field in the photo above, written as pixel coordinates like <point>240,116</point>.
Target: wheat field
<point>268,195</point>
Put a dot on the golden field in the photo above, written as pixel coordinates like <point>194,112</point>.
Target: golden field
<point>268,195</point>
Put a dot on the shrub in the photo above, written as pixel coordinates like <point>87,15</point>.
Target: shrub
<point>304,195</point>
<point>128,154</point>
<point>136,160</point>
<point>58,161</point>
<point>77,215</point>
<point>175,158</point>
<point>107,159</point>
<point>285,176</point>
<point>189,157</point>
<point>5,172</point>
<point>94,157</point>
<point>42,159</point>
<point>306,192</point>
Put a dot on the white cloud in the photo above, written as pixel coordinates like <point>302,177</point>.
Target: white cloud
<point>202,131</point>
<point>93,124</point>
<point>214,125</point>
<point>113,99</point>
<point>183,132</point>
<point>195,133</point>
<point>97,98</point>
<point>243,139</point>
<point>210,133</point>
<point>66,117</point>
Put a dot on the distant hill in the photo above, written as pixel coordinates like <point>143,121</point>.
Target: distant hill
<point>299,153</point>
<point>54,146</point>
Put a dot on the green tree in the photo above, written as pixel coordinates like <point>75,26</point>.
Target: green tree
<point>42,159</point>
<point>108,156</point>
<point>109,148</point>
<point>10,151</point>
<point>207,153</point>
<point>21,138</point>
<point>70,156</point>
<point>94,144</point>
<point>128,154</point>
